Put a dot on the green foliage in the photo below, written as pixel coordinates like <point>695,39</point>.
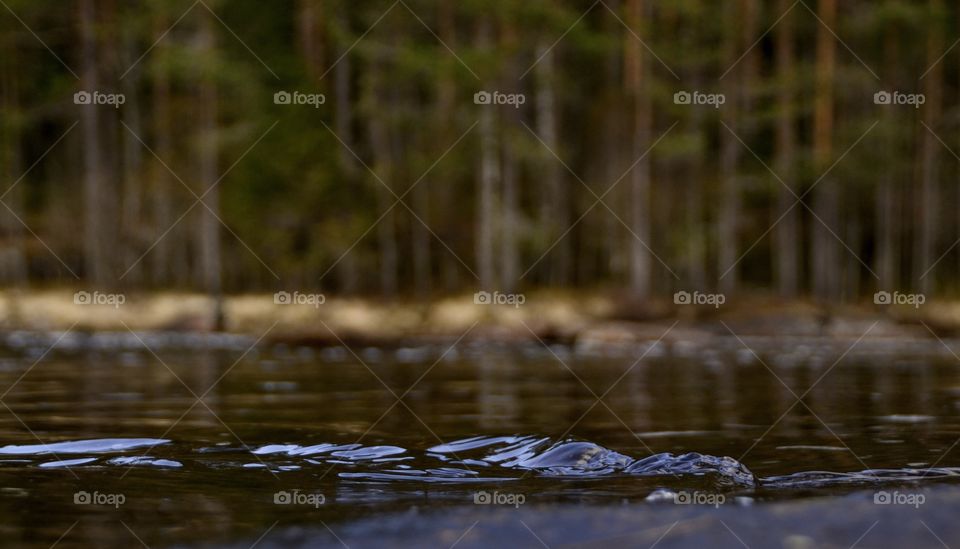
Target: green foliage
<point>302,196</point>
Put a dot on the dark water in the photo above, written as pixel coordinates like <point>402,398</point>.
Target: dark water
<point>206,443</point>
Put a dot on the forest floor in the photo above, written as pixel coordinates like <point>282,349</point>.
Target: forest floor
<point>589,318</point>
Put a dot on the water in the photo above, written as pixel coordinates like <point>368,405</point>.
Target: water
<point>206,443</point>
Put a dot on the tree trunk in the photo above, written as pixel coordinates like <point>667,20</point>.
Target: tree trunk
<point>554,218</point>
<point>13,260</point>
<point>450,268</point>
<point>383,166</point>
<point>637,73</point>
<point>612,155</point>
<point>824,253</point>
<point>509,229</point>
<point>489,179</point>
<point>888,204</point>
<point>787,251</point>
<point>692,206</point>
<point>421,241</point>
<point>730,147</point>
<point>309,31</point>
<point>94,256</point>
<point>343,124</point>
<point>167,269</point>
<point>510,258</point>
<point>929,168</point>
<point>486,198</point>
<point>209,260</point>
<point>132,164</point>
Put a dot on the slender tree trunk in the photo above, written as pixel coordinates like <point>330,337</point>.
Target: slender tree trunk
<point>13,259</point>
<point>166,269</point>
<point>788,235</point>
<point>637,73</point>
<point>421,241</point>
<point>343,125</point>
<point>611,153</point>
<point>310,36</point>
<point>489,174</point>
<point>730,149</point>
<point>486,198</point>
<point>489,179</point>
<point>510,258</point>
<point>210,259</point>
<point>554,218</point>
<point>852,235</point>
<point>132,164</point>
<point>383,165</point>
<point>94,173</point>
<point>509,237</point>
<point>450,268</point>
<point>929,166</point>
<point>695,253</point>
<point>886,229</point>
<point>826,196</point>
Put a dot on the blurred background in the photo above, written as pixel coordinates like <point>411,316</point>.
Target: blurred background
<point>690,214</point>
<point>386,171</point>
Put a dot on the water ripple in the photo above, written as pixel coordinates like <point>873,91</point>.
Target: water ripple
<point>500,458</point>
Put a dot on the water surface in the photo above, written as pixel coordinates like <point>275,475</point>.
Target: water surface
<point>199,442</point>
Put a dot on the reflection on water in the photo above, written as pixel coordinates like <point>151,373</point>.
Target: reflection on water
<point>201,440</point>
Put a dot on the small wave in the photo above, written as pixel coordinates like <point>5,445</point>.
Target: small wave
<point>67,463</point>
<point>470,460</point>
<point>93,446</point>
<point>822,479</point>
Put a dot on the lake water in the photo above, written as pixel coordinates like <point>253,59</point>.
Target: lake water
<point>207,442</point>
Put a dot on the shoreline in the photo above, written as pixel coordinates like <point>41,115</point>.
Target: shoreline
<point>592,318</point>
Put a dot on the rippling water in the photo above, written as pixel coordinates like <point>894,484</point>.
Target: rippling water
<point>191,444</point>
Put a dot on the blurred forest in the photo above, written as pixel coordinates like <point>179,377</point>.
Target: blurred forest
<point>402,184</point>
